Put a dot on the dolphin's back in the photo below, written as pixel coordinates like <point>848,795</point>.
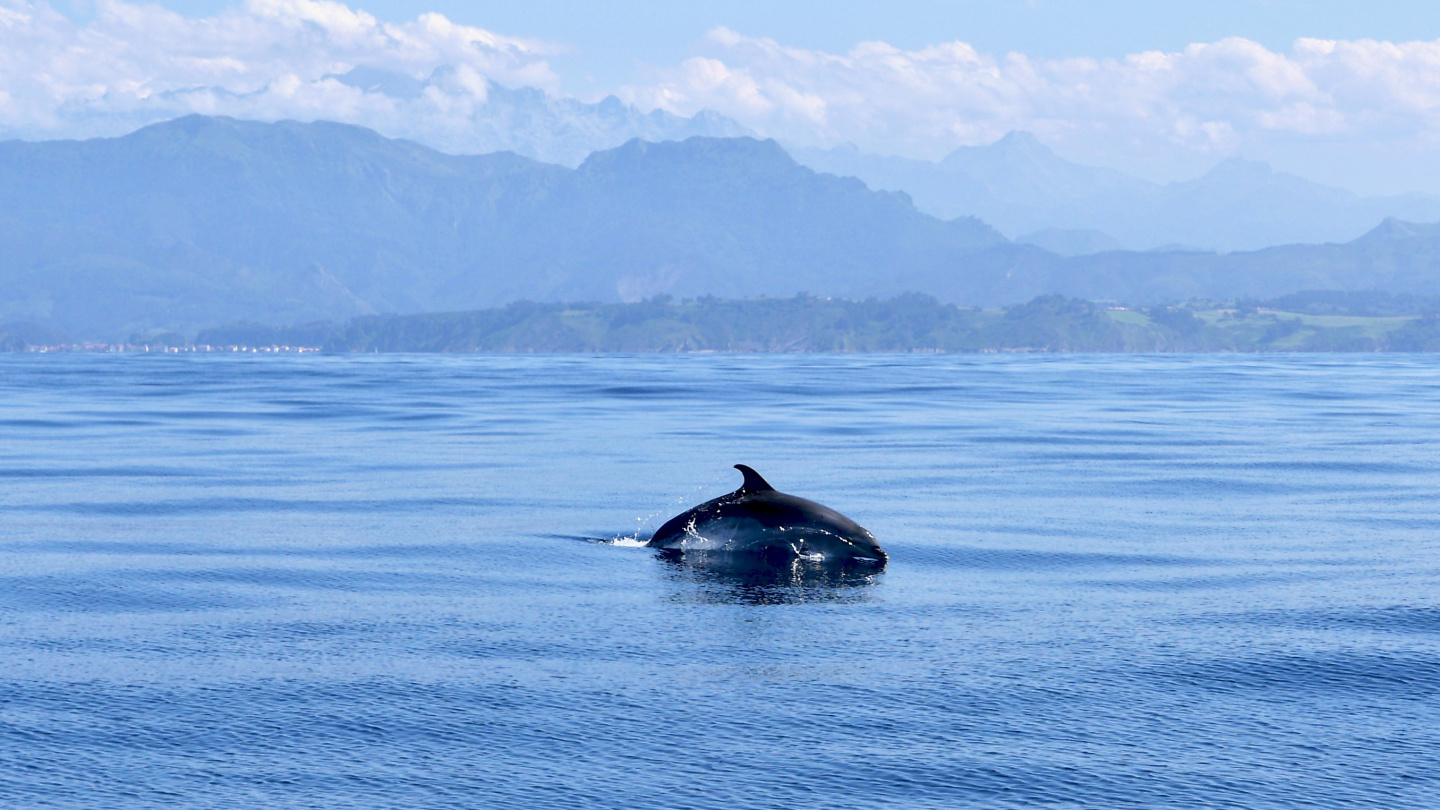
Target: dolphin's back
<point>760,518</point>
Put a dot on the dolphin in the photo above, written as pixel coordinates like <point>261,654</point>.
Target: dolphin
<point>758,518</point>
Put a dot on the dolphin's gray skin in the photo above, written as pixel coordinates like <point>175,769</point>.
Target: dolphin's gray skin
<point>757,518</point>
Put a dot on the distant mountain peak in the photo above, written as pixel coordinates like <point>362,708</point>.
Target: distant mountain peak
<point>1020,186</point>
<point>1393,229</point>
<point>1017,144</point>
<point>521,119</point>
<point>196,125</point>
<point>1241,169</point>
<point>696,147</point>
<point>1063,242</point>
<point>1020,139</point>
<point>392,83</point>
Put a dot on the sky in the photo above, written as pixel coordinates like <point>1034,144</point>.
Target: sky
<point>1343,92</point>
<point>611,41</point>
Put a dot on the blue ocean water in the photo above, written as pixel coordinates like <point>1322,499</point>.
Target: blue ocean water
<point>1190,581</point>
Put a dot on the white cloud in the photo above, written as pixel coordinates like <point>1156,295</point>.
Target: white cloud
<point>1210,98</point>
<point>268,59</point>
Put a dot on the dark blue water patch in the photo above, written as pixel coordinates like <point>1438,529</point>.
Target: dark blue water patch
<point>1066,440</point>
<point>508,648</point>
<point>1113,455</point>
<point>1403,619</point>
<point>215,506</point>
<point>122,548</point>
<point>407,418</point>
<point>90,422</point>
<point>457,551</point>
<point>182,416</point>
<point>1001,559</point>
<point>1403,677</point>
<point>1327,466</point>
<point>40,424</point>
<point>598,745</point>
<point>848,430</point>
<point>330,551</point>
<point>1245,580</point>
<point>1324,395</point>
<point>108,593</point>
<point>106,472</point>
<point>1171,486</point>
<point>292,631</point>
<point>260,413</point>
<point>310,578</point>
<point>216,431</point>
<point>643,391</point>
<point>1371,522</point>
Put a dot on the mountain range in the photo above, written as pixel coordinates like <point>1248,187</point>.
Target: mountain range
<point>1016,184</point>
<point>533,123</point>
<point>202,221</point>
<point>1025,190</point>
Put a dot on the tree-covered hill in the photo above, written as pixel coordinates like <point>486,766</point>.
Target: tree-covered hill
<point>907,323</point>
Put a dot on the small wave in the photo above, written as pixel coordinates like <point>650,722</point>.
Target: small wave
<point>631,540</point>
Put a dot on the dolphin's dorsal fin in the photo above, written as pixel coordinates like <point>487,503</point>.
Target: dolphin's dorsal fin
<point>753,481</point>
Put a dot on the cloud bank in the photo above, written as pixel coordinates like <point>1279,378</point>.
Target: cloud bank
<point>442,83</point>
<point>1210,98</point>
<point>269,59</point>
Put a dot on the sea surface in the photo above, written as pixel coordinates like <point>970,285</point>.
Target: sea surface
<point>416,582</point>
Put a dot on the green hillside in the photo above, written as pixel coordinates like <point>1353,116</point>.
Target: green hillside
<point>907,323</point>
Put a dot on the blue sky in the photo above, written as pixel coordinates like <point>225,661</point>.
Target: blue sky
<point>610,39</point>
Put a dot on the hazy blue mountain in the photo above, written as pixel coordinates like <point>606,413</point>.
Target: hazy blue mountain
<point>530,122</point>
<point>1245,205</point>
<point>1070,243</point>
<point>1395,257</point>
<point>726,217</point>
<point>1016,184</point>
<point>197,220</point>
<point>1019,171</point>
<point>201,220</point>
<point>1021,187</point>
